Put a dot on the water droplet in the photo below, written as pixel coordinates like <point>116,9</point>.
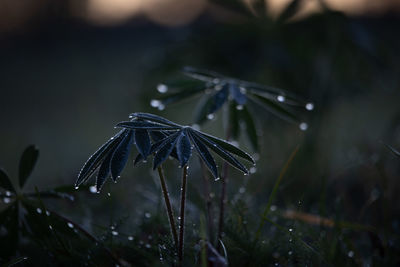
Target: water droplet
<point>161,107</point>
<point>239,107</point>
<point>303,126</point>
<point>290,252</point>
<point>148,245</point>
<point>6,200</point>
<point>350,254</point>
<point>114,233</point>
<point>273,208</point>
<point>290,240</point>
<point>162,88</point>
<point>76,187</point>
<point>179,218</point>
<point>47,213</point>
<point>39,210</point>
<point>290,229</point>
<point>212,195</point>
<point>243,90</point>
<point>217,179</point>
<point>109,194</point>
<point>150,237</point>
<point>50,227</point>
<point>210,116</point>
<point>130,116</point>
<point>70,225</point>
<point>216,80</point>
<point>155,103</point>
<point>256,156</point>
<point>8,193</point>
<point>242,190</point>
<point>130,238</point>
<point>234,143</point>
<point>112,227</point>
<point>93,189</point>
<point>147,215</point>
<point>253,169</point>
<point>309,106</point>
<point>280,98</point>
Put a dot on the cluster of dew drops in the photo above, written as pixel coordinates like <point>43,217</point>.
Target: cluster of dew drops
<point>162,88</point>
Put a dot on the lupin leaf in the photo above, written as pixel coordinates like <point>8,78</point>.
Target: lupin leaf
<point>142,140</point>
<point>234,121</point>
<point>237,95</point>
<point>164,150</point>
<point>95,160</point>
<point>223,154</point>
<point>219,99</point>
<point>5,182</point>
<point>183,148</point>
<point>155,119</point>
<point>121,154</point>
<point>141,125</point>
<point>181,95</point>
<point>27,163</point>
<point>203,109</point>
<point>251,129</point>
<point>204,154</point>
<point>104,171</point>
<point>229,147</point>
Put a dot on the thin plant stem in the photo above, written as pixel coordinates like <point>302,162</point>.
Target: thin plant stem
<point>168,206</point>
<point>273,194</point>
<point>207,199</point>
<point>182,215</point>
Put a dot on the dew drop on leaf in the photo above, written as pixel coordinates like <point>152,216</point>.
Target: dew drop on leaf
<point>239,107</point>
<point>8,193</point>
<point>148,246</point>
<point>290,252</point>
<point>210,116</point>
<point>161,107</point>
<point>303,126</point>
<point>253,170</point>
<point>309,106</point>
<point>216,80</point>
<point>114,233</point>
<point>93,189</point>
<point>196,127</point>
<point>70,225</point>
<point>130,238</point>
<point>243,90</point>
<point>155,103</point>
<point>47,213</point>
<point>109,194</point>
<point>242,190</point>
<point>217,179</point>
<point>50,227</point>
<point>147,215</point>
<point>39,210</point>
<point>350,254</point>
<point>280,98</point>
<point>76,187</point>
<point>290,229</point>
<point>162,88</point>
<point>273,208</point>
<point>6,200</point>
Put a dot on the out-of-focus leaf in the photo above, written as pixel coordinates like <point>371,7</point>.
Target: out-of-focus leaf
<point>219,99</point>
<point>223,154</point>
<point>229,147</point>
<point>214,256</point>
<point>27,163</point>
<point>5,182</point>
<point>237,95</point>
<point>142,140</point>
<point>52,194</point>
<point>393,150</point>
<point>275,108</point>
<point>250,128</point>
<point>202,75</point>
<point>141,125</point>
<point>164,151</point>
<point>183,148</point>
<point>179,96</point>
<point>121,154</point>
<point>15,261</point>
<point>203,109</point>
<point>291,9</point>
<point>204,154</point>
<point>154,118</point>
<point>95,160</point>
<point>234,121</point>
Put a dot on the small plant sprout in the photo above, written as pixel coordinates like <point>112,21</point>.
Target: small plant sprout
<point>157,136</point>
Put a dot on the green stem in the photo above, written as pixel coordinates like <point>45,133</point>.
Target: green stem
<point>182,215</point>
<point>168,206</point>
<point>273,194</point>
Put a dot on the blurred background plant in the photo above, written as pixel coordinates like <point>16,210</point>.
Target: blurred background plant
<point>72,68</point>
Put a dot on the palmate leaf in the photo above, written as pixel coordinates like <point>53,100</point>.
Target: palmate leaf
<point>142,125</point>
<point>251,129</point>
<point>154,118</point>
<point>143,143</point>
<point>121,154</point>
<point>27,163</point>
<point>219,99</point>
<point>182,140</point>
<point>5,182</point>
